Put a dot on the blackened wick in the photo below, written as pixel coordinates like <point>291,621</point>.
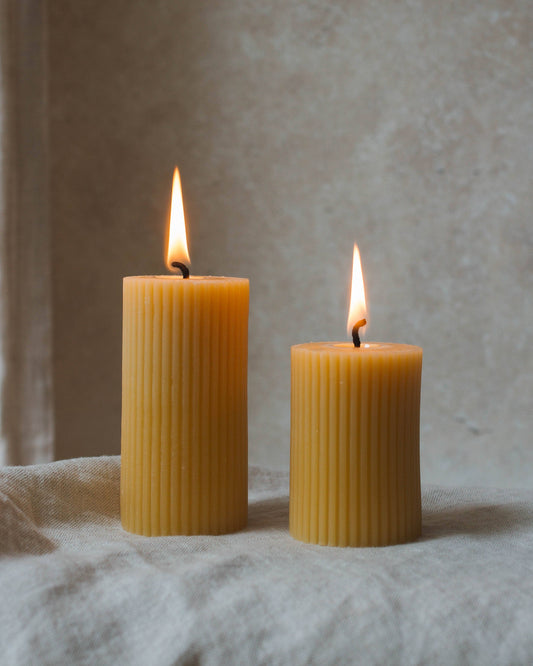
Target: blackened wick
<point>355,332</point>
<point>184,270</point>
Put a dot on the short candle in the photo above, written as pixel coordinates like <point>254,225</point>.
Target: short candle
<point>184,398</point>
<point>355,414</point>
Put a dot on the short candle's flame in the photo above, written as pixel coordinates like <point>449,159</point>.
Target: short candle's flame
<point>177,234</point>
<point>357,298</point>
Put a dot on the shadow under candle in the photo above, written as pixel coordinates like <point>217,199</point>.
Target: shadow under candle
<point>269,514</point>
<point>477,520</point>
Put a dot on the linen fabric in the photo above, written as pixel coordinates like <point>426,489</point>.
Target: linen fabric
<point>77,589</point>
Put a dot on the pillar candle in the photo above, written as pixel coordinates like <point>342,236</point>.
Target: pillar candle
<point>184,404</point>
<point>354,466</point>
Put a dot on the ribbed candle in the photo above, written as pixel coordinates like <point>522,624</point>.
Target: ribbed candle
<point>184,405</point>
<point>355,467</point>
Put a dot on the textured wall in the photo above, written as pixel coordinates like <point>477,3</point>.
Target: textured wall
<point>26,411</point>
<point>299,127</point>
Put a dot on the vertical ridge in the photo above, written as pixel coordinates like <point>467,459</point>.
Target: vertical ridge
<point>230,425</point>
<point>302,443</point>
<point>300,439</point>
<point>165,490</point>
<point>402,451</point>
<point>345,472</point>
<point>417,444</point>
<point>294,469</point>
<point>323,459</point>
<point>156,407</point>
<point>244,411</point>
<point>194,498</point>
<point>393,444</point>
<point>333,453</point>
<point>374,446</point>
<point>353,483</point>
<point>408,451</point>
<point>176,397</point>
<point>231,389</point>
<point>214,463</point>
<point>125,453</point>
<point>183,446</point>
<point>384,469</point>
<point>205,519</point>
<point>241,454</point>
<point>296,472</point>
<point>315,425</point>
<point>147,404</point>
<point>361,438</point>
<point>126,481</point>
<point>244,379</point>
<point>139,407</point>
<point>225,432</point>
<point>306,358</point>
<point>414,439</point>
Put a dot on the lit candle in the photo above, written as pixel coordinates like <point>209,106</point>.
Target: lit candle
<point>184,397</point>
<point>355,414</point>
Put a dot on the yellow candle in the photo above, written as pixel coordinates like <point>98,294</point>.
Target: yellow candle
<point>184,404</point>
<point>355,468</point>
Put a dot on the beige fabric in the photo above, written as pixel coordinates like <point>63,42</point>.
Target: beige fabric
<point>26,430</point>
<point>76,589</point>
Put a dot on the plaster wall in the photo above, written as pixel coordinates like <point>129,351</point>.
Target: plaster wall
<point>299,128</point>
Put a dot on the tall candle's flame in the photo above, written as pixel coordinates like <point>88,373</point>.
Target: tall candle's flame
<point>357,298</point>
<point>177,235</point>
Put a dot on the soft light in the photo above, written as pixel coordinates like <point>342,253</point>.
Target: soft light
<point>357,297</point>
<point>177,235</point>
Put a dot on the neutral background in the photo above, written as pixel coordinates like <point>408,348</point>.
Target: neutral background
<point>301,127</point>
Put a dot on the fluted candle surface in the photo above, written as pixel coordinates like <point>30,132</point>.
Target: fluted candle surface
<point>355,467</point>
<point>184,405</point>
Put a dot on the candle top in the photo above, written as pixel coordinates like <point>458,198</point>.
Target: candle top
<point>366,347</point>
<point>192,279</point>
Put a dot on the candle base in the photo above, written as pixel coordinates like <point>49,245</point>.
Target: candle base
<point>212,527</point>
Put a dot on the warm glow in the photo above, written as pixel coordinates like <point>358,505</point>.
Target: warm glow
<point>357,298</point>
<point>177,235</point>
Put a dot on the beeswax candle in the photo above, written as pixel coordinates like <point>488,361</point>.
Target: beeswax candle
<point>354,467</point>
<point>184,404</point>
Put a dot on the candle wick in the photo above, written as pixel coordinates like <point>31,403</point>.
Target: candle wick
<point>184,270</point>
<point>355,332</point>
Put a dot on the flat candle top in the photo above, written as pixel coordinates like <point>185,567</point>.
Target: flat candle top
<point>366,347</point>
<point>191,279</point>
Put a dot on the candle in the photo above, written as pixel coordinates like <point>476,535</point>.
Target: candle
<point>184,397</point>
<point>355,413</point>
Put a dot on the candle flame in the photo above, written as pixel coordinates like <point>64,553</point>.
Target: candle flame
<point>177,235</point>
<point>357,298</point>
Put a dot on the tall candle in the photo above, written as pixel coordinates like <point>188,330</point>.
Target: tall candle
<point>355,411</point>
<point>184,398</point>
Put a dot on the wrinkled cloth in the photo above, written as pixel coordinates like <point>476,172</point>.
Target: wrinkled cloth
<point>77,589</point>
